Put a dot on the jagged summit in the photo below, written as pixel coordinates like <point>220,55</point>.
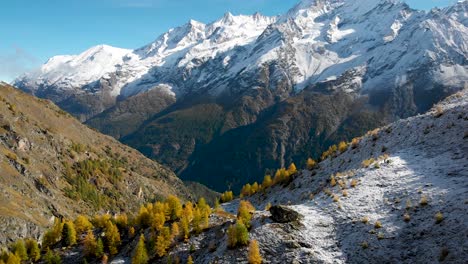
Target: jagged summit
<point>324,38</point>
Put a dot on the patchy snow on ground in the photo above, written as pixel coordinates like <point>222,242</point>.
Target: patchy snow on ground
<point>420,169</point>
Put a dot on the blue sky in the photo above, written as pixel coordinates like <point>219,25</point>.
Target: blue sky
<point>31,31</point>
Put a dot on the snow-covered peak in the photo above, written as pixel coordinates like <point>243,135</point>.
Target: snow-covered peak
<point>68,72</point>
<point>458,12</point>
<point>228,28</point>
<point>315,41</point>
<point>228,19</point>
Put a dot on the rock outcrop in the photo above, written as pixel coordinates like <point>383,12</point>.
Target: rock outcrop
<point>283,214</point>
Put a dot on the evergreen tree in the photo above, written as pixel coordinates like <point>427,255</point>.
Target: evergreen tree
<point>90,244</point>
<point>33,250</point>
<point>196,221</point>
<point>217,206</point>
<point>190,259</point>
<point>99,248</point>
<point>311,164</point>
<point>144,217</point>
<point>140,256</point>
<point>131,232</point>
<point>121,221</point>
<point>112,237</point>
<point>69,234</point>
<point>52,258</point>
<point>231,235</point>
<point>342,146</point>
<point>13,259</point>
<point>52,236</point>
<point>188,210</point>
<point>254,188</point>
<point>158,221</point>
<point>292,169</point>
<point>244,212</point>
<point>82,224</point>
<point>19,248</point>
<point>202,204</point>
<point>175,207</point>
<point>227,196</point>
<point>184,224</point>
<point>174,231</point>
<point>4,255</point>
<point>281,175</point>
<point>163,241</point>
<point>267,182</point>
<point>246,190</point>
<point>238,235</point>
<point>254,253</point>
<point>205,212</point>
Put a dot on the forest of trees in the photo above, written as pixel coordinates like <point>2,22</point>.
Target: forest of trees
<point>168,222</point>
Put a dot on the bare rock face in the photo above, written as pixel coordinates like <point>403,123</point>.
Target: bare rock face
<point>283,214</point>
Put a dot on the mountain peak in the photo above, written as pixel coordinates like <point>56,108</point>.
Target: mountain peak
<point>195,23</point>
<point>322,38</point>
<point>228,18</point>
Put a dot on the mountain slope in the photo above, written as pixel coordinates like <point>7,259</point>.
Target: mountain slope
<point>264,79</point>
<point>398,194</point>
<point>420,173</point>
<point>53,166</point>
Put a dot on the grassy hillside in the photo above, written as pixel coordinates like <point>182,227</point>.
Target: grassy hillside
<point>52,166</point>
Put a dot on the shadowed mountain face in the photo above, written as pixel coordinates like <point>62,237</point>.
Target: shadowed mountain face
<point>222,103</point>
<point>226,145</point>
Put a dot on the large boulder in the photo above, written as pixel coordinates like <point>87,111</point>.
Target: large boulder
<point>283,214</point>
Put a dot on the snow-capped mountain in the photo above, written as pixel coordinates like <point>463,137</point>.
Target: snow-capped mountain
<point>284,87</point>
<point>383,41</point>
<point>182,47</point>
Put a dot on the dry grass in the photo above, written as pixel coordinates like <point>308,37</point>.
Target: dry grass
<point>365,245</point>
<point>438,111</point>
<point>336,198</point>
<point>11,156</point>
<point>406,217</point>
<point>342,146</point>
<point>408,204</point>
<point>355,143</point>
<point>374,134</point>
<point>332,181</point>
<point>378,224</point>
<point>380,236</point>
<point>439,217</point>
<point>423,201</point>
<point>366,163</point>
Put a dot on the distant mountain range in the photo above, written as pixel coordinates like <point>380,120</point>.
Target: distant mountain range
<point>222,103</point>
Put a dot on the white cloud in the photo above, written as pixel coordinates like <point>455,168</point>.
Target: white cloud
<point>16,62</point>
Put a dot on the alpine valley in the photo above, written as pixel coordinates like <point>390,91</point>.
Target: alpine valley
<point>334,133</point>
<point>225,102</point>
